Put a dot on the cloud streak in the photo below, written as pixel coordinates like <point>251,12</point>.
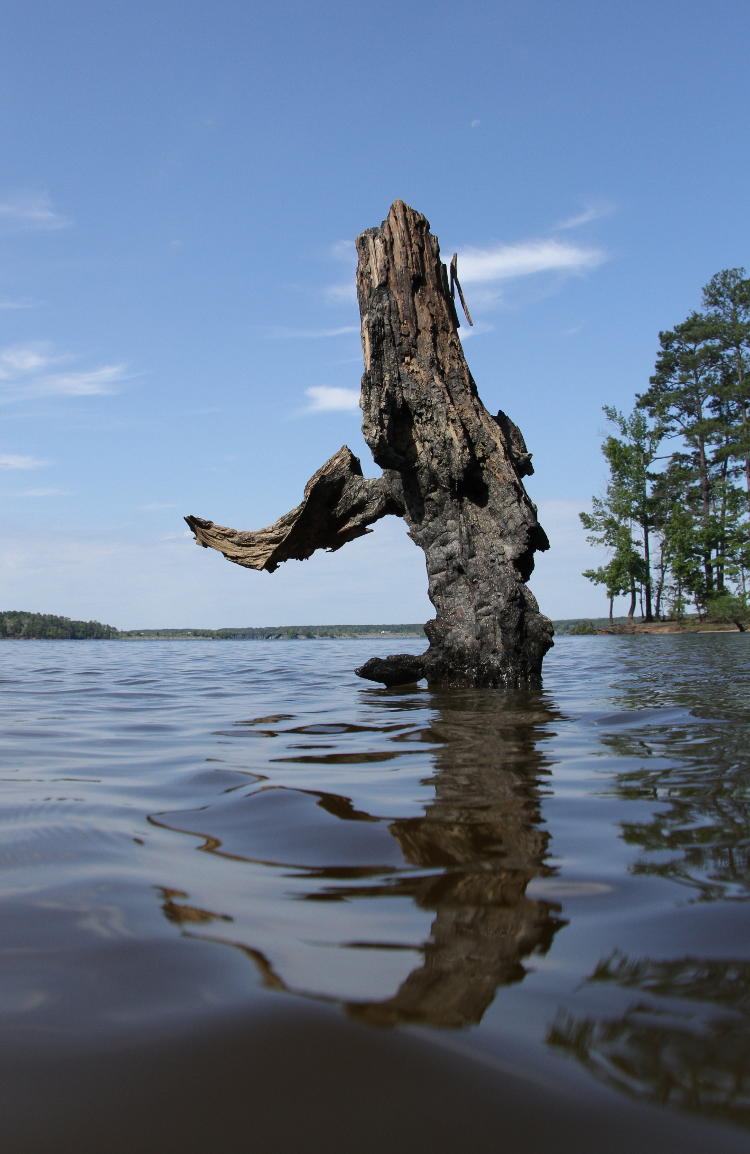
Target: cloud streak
<point>32,211</point>
<point>590,213</point>
<point>329,399</point>
<point>16,461</point>
<point>28,372</point>
<point>8,304</point>
<point>526,258</point>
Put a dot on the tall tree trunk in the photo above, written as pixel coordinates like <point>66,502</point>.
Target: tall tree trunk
<point>705,488</point>
<point>450,468</point>
<point>744,423</point>
<point>647,563</point>
<point>661,573</point>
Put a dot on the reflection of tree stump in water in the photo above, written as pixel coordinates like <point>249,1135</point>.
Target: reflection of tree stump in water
<point>470,858</point>
<point>481,932</point>
<point>484,830</point>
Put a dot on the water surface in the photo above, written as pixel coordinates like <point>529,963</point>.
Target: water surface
<point>252,902</point>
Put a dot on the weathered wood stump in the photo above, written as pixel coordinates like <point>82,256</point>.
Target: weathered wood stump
<point>450,469</point>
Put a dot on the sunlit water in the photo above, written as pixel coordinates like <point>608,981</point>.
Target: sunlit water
<point>252,902</point>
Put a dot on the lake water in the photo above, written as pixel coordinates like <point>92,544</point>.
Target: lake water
<point>251,902</point>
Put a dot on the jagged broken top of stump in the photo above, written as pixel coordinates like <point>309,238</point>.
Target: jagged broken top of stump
<point>451,469</point>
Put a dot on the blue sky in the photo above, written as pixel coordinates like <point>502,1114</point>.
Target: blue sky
<point>180,188</point>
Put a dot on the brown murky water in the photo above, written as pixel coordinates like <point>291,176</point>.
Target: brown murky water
<point>252,903</point>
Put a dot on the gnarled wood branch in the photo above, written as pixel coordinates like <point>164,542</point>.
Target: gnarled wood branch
<point>338,505</point>
<point>450,468</point>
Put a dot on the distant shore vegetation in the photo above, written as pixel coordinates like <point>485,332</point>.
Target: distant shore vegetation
<point>280,632</point>
<point>20,624</point>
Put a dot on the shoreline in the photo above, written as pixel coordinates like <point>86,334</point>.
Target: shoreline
<point>664,628</point>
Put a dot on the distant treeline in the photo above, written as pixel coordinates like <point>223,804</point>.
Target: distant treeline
<point>18,623</point>
<point>280,632</point>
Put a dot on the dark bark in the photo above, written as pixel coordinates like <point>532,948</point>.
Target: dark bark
<point>450,468</point>
<point>647,564</point>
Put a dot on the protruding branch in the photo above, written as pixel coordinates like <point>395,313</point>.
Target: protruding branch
<point>338,505</point>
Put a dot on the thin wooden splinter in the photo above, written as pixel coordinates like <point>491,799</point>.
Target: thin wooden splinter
<point>456,284</point>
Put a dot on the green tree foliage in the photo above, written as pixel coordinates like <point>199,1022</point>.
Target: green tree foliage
<point>277,632</point>
<point>16,623</point>
<point>631,457</point>
<point>725,607</point>
<point>681,399</point>
<point>583,629</point>
<point>679,484</point>
<point>726,299</point>
<point>20,624</point>
<point>624,510</point>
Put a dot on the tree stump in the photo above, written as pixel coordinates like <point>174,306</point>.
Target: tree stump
<point>450,469</point>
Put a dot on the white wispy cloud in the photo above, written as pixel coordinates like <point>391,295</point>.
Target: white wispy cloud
<point>8,303</point>
<point>31,371</point>
<point>16,461</point>
<point>31,210</point>
<point>330,399</point>
<point>525,258</point>
<point>21,359</point>
<point>594,210</point>
<point>282,333</point>
<point>94,382</point>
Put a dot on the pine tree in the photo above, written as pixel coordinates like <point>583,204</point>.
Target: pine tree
<point>628,507</point>
<point>726,299</point>
<point>690,516</point>
<point>631,457</point>
<point>681,398</point>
